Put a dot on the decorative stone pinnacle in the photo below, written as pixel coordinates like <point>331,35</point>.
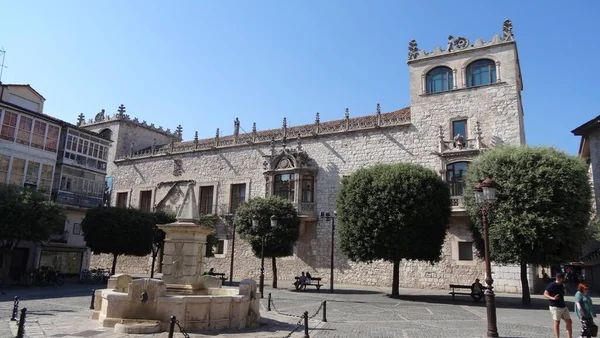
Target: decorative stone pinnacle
<point>121,111</point>
<point>317,119</point>
<point>299,141</point>
<point>253,127</point>
<point>347,114</point>
<point>413,50</point>
<point>272,146</point>
<point>378,109</point>
<point>80,119</point>
<point>507,31</point>
<point>217,134</point>
<point>284,122</point>
<point>196,137</point>
<point>441,133</point>
<point>236,122</point>
<point>284,130</point>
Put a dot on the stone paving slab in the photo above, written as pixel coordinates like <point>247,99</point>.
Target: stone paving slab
<point>352,311</point>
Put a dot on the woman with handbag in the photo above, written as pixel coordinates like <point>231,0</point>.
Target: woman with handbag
<point>585,311</point>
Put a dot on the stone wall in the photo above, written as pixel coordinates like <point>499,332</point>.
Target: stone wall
<point>125,264</point>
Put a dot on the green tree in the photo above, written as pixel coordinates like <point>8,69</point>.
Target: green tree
<point>393,212</point>
<point>542,210</point>
<point>119,231</point>
<point>279,240</point>
<point>26,216</point>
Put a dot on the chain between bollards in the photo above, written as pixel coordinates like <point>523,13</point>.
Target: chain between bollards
<point>269,303</point>
<point>15,312</point>
<point>93,299</point>
<point>21,328</point>
<point>172,326</point>
<point>324,311</point>
<point>306,325</point>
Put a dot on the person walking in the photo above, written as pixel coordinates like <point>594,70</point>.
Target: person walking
<point>584,308</point>
<point>555,293</point>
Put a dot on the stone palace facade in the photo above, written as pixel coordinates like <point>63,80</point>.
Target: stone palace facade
<point>464,99</point>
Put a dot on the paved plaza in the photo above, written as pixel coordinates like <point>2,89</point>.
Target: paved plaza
<point>352,311</point>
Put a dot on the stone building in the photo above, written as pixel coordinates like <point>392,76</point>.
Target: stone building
<point>463,100</point>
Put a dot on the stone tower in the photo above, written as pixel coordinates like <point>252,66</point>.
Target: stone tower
<point>467,97</point>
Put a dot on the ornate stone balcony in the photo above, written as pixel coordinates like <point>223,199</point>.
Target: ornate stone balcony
<point>457,203</point>
<point>306,209</point>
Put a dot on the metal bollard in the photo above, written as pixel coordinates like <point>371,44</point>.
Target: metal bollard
<point>269,302</point>
<point>306,325</point>
<point>324,311</point>
<point>93,299</point>
<point>21,329</point>
<point>15,309</point>
<point>172,326</point>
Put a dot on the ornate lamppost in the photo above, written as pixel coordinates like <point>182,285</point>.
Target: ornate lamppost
<point>257,227</point>
<point>327,217</point>
<point>485,194</point>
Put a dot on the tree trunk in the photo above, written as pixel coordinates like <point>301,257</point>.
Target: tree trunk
<point>526,297</point>
<point>6,260</point>
<point>274,272</point>
<point>114,265</point>
<point>154,253</point>
<point>396,280</point>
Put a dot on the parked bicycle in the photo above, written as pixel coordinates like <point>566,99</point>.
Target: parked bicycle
<point>94,276</point>
<point>43,276</point>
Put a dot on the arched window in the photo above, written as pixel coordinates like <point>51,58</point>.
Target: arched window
<point>455,176</point>
<point>106,134</point>
<point>481,72</point>
<point>439,79</point>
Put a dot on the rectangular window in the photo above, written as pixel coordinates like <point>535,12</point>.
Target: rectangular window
<point>33,171</point>
<point>465,251</point>
<point>95,152</point>
<point>85,147</point>
<point>459,128</point>
<point>308,189</point>
<point>45,179</point>
<point>285,186</point>
<point>39,133</point>
<point>238,196</point>
<point>4,162</point>
<point>122,200</point>
<point>220,247</point>
<point>52,138</point>
<point>69,142</point>
<point>9,125</point>
<point>25,126</point>
<point>74,145</point>
<point>80,146</point>
<point>101,152</point>
<point>17,171</point>
<point>145,200</point>
<point>206,200</point>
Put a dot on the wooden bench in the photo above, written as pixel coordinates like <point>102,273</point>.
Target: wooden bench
<point>218,274</point>
<point>457,286</point>
<point>312,283</point>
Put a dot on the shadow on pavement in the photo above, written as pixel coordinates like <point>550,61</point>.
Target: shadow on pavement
<point>49,292</point>
<point>265,324</point>
<point>501,302</point>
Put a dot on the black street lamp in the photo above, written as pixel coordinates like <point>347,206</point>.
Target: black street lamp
<point>485,194</point>
<point>327,217</point>
<point>256,226</point>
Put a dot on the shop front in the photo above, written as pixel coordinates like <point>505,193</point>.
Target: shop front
<point>66,260</point>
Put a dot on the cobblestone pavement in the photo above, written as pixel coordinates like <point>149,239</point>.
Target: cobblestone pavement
<point>352,311</point>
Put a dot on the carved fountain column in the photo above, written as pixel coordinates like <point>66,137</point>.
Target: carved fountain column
<point>184,249</point>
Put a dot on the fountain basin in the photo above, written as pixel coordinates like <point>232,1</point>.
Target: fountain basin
<point>138,326</point>
<point>209,309</point>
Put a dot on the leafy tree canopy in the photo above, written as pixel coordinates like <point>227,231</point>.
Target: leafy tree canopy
<point>119,231</point>
<point>27,216</point>
<point>542,210</point>
<point>393,212</point>
<point>278,241</point>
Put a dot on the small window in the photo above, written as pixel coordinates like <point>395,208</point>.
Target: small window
<point>17,171</point>
<point>439,79</point>
<point>9,125</point>
<point>33,171</point>
<point>4,162</point>
<point>455,176</point>
<point>145,200</point>
<point>465,251</point>
<point>285,186</point>
<point>459,128</point>
<point>122,200</point>
<point>220,247</point>
<point>481,72</point>
<point>39,133</point>
<point>308,188</point>
<point>52,138</point>
<point>238,196</point>
<point>206,200</point>
<point>25,126</point>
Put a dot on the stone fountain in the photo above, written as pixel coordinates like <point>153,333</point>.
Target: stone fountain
<point>199,302</point>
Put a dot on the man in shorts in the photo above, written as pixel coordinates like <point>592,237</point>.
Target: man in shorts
<point>555,292</point>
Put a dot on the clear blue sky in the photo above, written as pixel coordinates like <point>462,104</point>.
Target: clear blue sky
<point>204,63</point>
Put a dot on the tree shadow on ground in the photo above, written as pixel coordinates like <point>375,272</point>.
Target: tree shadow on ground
<point>313,290</point>
<point>266,325</point>
<point>49,292</point>
<point>501,302</point>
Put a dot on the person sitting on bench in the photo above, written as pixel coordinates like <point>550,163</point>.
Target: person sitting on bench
<point>301,282</point>
<point>308,278</point>
<point>476,290</point>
